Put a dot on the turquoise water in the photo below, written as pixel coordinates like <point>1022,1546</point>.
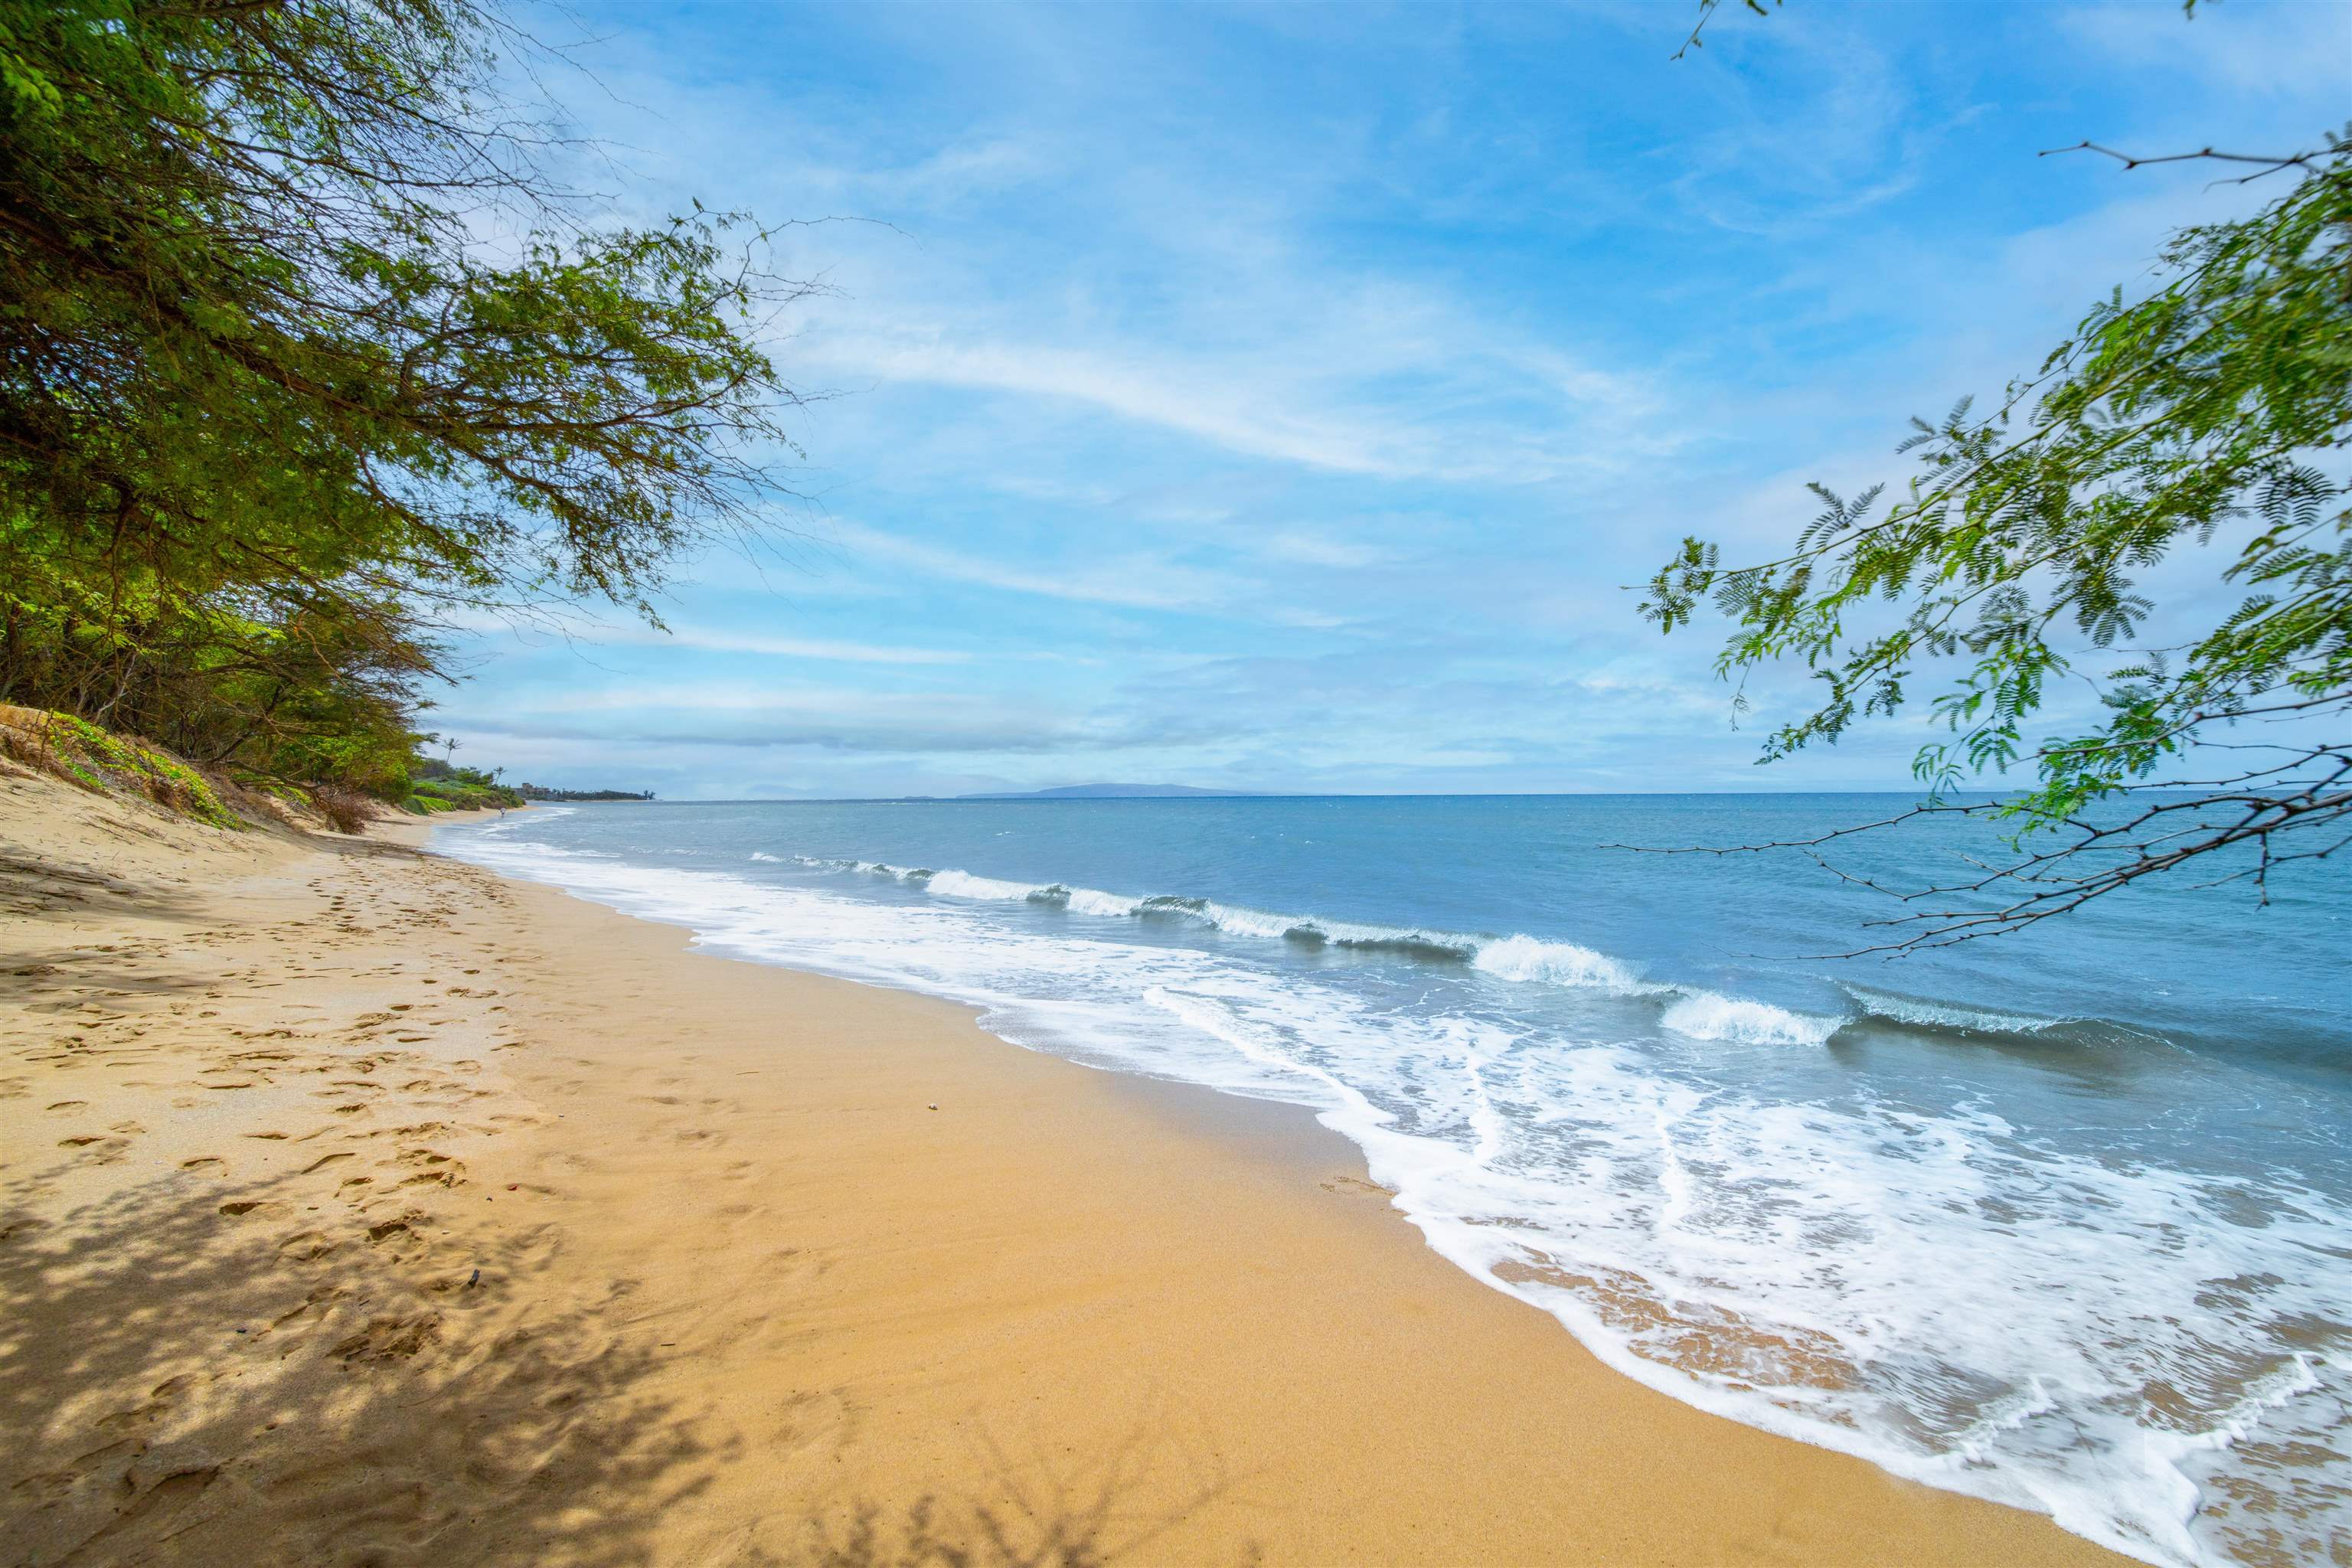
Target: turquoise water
<point>2063,1219</point>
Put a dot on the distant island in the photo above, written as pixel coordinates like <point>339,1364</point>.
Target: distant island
<point>540,792</point>
<point>1109,792</point>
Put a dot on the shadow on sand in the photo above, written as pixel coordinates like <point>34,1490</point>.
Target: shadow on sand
<point>184,1385</point>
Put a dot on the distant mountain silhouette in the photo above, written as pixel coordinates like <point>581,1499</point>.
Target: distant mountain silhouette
<point>1104,791</point>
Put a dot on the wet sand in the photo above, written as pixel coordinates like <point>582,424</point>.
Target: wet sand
<point>359,1206</point>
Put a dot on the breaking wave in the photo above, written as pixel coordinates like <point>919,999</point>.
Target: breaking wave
<point>1707,1015</point>
<point>1690,1012</point>
<point>1560,964</point>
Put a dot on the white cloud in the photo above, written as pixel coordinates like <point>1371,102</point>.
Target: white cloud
<point>706,639</point>
<point>1304,548</point>
<point>737,697</point>
<point>805,648</point>
<point>1220,407</point>
<point>1140,582</point>
<point>1299,364</point>
<point>2288,46</point>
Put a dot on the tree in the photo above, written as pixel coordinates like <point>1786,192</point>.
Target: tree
<point>301,343</point>
<point>2214,411</point>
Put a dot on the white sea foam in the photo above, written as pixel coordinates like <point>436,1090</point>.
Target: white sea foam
<point>771,860</point>
<point>1705,1015</point>
<point>1919,1285</point>
<point>964,885</point>
<point>1232,919</point>
<point>1092,902</point>
<point>1514,958</point>
<point>1558,964</point>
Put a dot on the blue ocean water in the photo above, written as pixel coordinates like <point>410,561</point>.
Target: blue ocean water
<point>2063,1219</point>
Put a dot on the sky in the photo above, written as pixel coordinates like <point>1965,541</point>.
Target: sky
<point>1294,398</point>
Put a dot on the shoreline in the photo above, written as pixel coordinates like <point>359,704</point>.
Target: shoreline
<point>673,1247</point>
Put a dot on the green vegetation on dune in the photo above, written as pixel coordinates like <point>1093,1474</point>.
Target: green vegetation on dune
<point>104,763</point>
<point>90,756</point>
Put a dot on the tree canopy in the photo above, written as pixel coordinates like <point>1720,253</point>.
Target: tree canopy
<point>2212,412</point>
<point>302,344</point>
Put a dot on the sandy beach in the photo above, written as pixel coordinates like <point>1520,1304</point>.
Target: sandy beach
<point>362,1207</point>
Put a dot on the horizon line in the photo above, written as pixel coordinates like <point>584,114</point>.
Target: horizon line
<point>1028,798</point>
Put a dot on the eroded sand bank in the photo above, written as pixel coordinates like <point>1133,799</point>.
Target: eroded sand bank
<point>361,1207</point>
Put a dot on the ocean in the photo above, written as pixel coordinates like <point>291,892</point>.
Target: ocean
<point>2062,1219</point>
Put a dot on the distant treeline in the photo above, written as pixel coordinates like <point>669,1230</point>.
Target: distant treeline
<point>305,354</point>
<point>540,792</point>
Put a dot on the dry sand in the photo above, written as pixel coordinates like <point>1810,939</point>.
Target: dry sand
<point>360,1207</point>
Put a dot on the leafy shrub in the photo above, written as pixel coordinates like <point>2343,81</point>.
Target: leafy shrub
<point>347,810</point>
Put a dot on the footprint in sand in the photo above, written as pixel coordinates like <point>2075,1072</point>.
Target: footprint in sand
<point>321,1302</point>
<point>147,1519</point>
<point>404,1225</point>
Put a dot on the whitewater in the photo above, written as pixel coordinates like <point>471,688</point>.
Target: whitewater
<point>2066,1226</point>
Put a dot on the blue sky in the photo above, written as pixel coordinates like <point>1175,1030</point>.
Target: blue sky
<point>1283,398</point>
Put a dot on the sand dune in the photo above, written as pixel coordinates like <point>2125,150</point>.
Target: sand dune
<point>360,1207</point>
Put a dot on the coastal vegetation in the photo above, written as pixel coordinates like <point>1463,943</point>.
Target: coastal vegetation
<point>308,348</point>
<point>99,761</point>
<point>442,786</point>
<point>2213,411</point>
<point>108,763</point>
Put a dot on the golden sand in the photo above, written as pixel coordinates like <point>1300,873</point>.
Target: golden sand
<point>360,1207</point>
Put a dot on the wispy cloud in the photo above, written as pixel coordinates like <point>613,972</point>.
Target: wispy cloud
<point>821,648</point>
<point>580,630</point>
<point>1135,582</point>
<point>1215,407</point>
<point>1357,376</point>
<point>948,722</point>
<point>1302,409</point>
